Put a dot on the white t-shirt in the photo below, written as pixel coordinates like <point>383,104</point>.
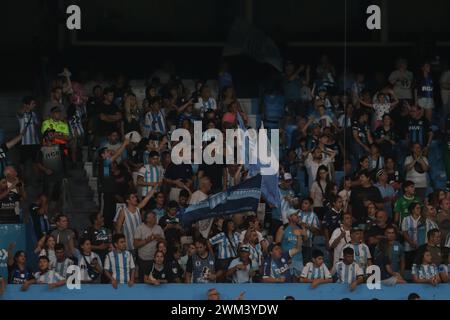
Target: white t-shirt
<point>381,109</point>
<point>337,251</point>
<point>83,265</point>
<point>402,83</point>
<point>419,179</point>
<point>204,226</point>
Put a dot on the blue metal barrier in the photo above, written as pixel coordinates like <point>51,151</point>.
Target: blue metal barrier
<point>228,292</point>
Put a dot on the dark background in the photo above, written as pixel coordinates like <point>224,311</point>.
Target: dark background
<point>136,36</point>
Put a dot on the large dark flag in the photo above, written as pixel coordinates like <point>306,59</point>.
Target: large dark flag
<point>240,198</point>
<point>245,39</point>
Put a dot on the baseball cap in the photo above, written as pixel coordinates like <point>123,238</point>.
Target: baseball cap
<point>55,109</point>
<point>273,245</point>
<point>356,228</point>
<point>287,176</point>
<point>380,172</point>
<point>244,248</point>
<point>134,136</point>
<point>292,211</point>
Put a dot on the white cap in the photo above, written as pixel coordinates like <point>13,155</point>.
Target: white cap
<point>287,176</point>
<point>292,211</point>
<point>134,136</point>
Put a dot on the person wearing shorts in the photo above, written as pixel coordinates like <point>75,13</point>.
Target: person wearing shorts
<point>424,91</point>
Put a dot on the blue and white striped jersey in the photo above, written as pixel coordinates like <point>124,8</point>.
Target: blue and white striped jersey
<point>204,106</point>
<point>226,247</point>
<point>414,229</point>
<point>48,277</point>
<point>120,264</point>
<point>444,268</point>
<point>256,255</point>
<point>311,272</point>
<point>76,121</point>
<point>154,122</point>
<point>346,273</point>
<point>311,219</point>
<point>130,224</point>
<point>424,271</point>
<point>361,254</point>
<point>61,267</point>
<point>4,263</point>
<point>28,122</point>
<point>150,174</point>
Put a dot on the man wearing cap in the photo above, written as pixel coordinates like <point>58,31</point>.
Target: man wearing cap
<point>61,135</point>
<point>240,268</point>
<point>287,235</point>
<point>386,190</point>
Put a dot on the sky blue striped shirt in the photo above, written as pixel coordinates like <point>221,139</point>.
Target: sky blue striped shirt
<point>225,248</point>
<point>424,271</point>
<point>120,264</point>
<point>28,122</point>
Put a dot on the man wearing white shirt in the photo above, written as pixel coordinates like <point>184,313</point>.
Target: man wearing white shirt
<point>340,237</point>
<point>204,226</point>
<point>314,160</point>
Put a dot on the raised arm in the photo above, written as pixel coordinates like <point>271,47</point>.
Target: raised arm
<point>147,198</point>
<point>120,150</point>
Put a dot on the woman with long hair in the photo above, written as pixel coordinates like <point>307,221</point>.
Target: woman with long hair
<point>394,178</point>
<point>423,270</point>
<point>46,247</point>
<point>383,261</point>
<point>132,114</point>
<point>317,192</point>
<point>19,273</point>
<point>386,137</point>
<point>158,272</point>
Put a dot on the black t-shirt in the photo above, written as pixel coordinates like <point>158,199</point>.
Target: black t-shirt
<point>172,235</point>
<point>357,198</point>
<point>385,146</point>
<point>215,173</point>
<point>98,237</point>
<point>382,260</point>
<point>164,274</point>
<point>179,171</point>
<point>176,270</point>
<point>7,208</point>
<point>107,182</point>
<point>104,128</point>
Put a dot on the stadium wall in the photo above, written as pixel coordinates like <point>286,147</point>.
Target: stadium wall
<point>227,291</point>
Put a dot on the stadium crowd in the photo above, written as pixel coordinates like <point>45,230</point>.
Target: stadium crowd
<point>355,182</point>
